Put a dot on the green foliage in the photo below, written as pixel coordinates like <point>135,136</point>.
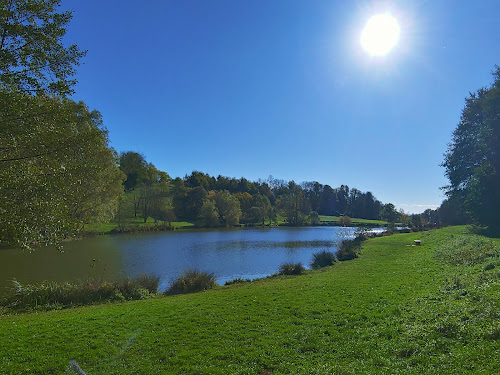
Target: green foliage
<point>148,281</point>
<point>192,203</point>
<point>192,281</point>
<point>416,221</point>
<point>346,252</point>
<point>323,259</point>
<point>266,210</point>
<point>389,213</point>
<point>136,169</point>
<point>139,173</point>
<point>291,269</point>
<point>245,200</point>
<point>314,218</point>
<point>345,221</point>
<point>276,201</point>
<point>209,214</point>
<point>57,172</point>
<point>238,280</point>
<point>472,161</point>
<point>32,56</point>
<point>350,249</point>
<point>255,214</point>
<point>228,207</point>
<point>293,205</point>
<point>452,212</point>
<point>50,294</point>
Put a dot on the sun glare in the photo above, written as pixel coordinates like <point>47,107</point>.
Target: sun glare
<point>380,34</point>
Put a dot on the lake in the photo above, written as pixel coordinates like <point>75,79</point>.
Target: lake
<point>248,253</point>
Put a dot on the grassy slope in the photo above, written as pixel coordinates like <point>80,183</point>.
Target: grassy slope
<point>336,219</point>
<point>386,312</point>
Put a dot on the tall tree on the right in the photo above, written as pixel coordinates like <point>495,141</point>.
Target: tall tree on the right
<point>472,161</point>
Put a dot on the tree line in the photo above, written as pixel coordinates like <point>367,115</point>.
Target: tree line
<point>226,201</point>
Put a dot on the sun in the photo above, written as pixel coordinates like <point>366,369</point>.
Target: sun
<point>380,35</point>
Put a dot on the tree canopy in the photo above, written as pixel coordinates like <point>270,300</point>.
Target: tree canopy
<point>32,57</point>
<point>472,161</point>
<point>57,172</point>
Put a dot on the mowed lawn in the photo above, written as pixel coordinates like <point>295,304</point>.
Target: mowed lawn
<point>396,309</point>
<point>355,221</point>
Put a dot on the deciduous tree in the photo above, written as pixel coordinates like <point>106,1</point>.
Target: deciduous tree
<point>472,161</point>
<point>229,208</point>
<point>57,172</point>
<point>209,213</point>
<point>33,58</point>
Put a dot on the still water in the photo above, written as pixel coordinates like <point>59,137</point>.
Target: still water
<point>229,254</point>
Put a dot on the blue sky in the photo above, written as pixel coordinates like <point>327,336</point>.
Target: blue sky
<point>283,88</point>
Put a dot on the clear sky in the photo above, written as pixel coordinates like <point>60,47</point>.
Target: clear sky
<point>284,88</point>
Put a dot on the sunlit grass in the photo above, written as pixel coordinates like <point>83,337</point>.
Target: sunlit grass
<point>397,308</point>
<point>132,223</point>
<point>335,219</point>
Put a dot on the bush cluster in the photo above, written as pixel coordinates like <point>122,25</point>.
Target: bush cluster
<point>238,280</point>
<point>292,269</point>
<point>350,249</point>
<point>51,294</point>
<point>136,228</point>
<point>323,259</point>
<point>192,281</point>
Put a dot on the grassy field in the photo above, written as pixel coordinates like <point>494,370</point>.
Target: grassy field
<point>335,219</point>
<point>398,309</point>
<point>138,223</point>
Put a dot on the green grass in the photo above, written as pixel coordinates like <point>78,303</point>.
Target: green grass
<point>136,223</point>
<point>398,309</point>
<point>335,219</point>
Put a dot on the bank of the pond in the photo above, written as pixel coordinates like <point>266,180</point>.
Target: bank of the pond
<point>397,309</point>
<point>138,225</point>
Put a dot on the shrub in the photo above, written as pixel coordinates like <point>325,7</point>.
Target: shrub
<point>148,282</point>
<point>323,259</point>
<point>50,294</point>
<point>349,250</point>
<point>131,289</point>
<point>138,287</point>
<point>239,280</point>
<point>33,296</point>
<point>346,253</point>
<point>291,269</point>
<point>192,281</point>
<point>345,221</point>
<point>314,217</point>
